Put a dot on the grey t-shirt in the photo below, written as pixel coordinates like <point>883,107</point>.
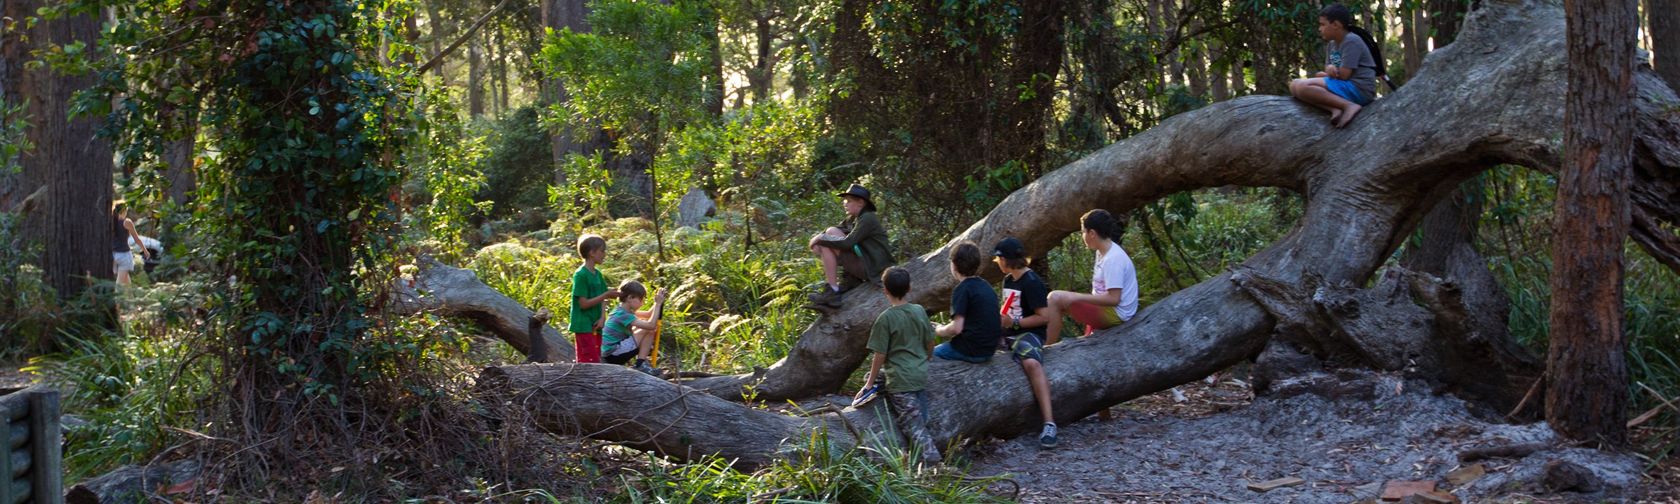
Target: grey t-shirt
<point>1352,53</point>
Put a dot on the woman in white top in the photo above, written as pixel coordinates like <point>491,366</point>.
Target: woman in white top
<point>1114,292</point>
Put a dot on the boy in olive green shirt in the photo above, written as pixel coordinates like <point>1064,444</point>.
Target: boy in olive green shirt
<point>902,339</point>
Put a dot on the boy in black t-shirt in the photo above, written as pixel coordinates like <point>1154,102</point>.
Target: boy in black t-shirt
<point>973,330</point>
<point>1022,316</point>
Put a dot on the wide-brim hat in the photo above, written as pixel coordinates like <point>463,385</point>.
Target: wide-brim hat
<point>1010,248</point>
<point>859,192</point>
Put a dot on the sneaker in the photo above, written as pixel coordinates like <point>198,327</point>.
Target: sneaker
<point>828,297</point>
<point>1047,438</point>
<point>643,366</point>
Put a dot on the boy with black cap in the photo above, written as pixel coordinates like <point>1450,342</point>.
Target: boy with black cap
<point>857,246</point>
<point>1022,315</point>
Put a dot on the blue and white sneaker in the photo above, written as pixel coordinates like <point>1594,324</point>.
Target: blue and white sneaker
<point>868,395</point>
<point>1047,438</point>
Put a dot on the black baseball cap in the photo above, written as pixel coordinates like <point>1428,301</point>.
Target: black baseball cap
<point>1010,248</point>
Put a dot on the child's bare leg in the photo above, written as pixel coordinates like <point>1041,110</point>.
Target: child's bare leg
<point>1053,310</point>
<point>1347,115</point>
<point>825,255</point>
<point>1040,387</point>
<point>122,278</point>
<point>1298,87</point>
<point>1322,97</point>
<point>644,342</point>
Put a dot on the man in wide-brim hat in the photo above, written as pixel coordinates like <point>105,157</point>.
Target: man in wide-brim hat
<point>858,247</point>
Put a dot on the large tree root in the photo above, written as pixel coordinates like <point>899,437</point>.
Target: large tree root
<point>1366,186</point>
<point>1409,321</point>
<point>458,292</point>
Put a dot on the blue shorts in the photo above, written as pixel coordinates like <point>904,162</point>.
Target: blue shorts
<point>944,351</point>
<point>1346,90</point>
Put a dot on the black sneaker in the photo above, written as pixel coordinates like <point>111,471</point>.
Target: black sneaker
<point>1047,438</point>
<point>643,366</point>
<point>827,298</point>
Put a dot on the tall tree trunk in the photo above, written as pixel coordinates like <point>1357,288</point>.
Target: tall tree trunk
<point>1238,84</point>
<point>1416,40</point>
<point>1196,70</point>
<point>1587,399</point>
<point>1170,28</point>
<point>1038,60</point>
<point>178,161</point>
<point>1219,84</point>
<point>1664,17</point>
<point>1446,16</point>
<point>557,15</point>
<point>475,78</point>
<point>74,224</point>
<point>759,77</point>
<point>502,71</point>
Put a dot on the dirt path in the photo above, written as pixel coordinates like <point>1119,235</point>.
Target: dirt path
<point>1159,450</point>
<point>12,377</point>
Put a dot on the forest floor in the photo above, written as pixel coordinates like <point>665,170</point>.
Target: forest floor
<point>1216,442</point>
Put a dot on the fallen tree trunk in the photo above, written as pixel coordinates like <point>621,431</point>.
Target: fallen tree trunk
<point>136,484</point>
<point>1498,100</point>
<point>458,292</point>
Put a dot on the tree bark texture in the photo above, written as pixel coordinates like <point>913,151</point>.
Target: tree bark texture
<point>1587,399</point>
<point>1366,188</point>
<point>458,292</point>
<point>73,224</point>
<point>1663,17</point>
<point>1409,322</point>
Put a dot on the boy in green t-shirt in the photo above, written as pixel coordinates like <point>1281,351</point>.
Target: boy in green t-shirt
<point>902,339</point>
<point>589,289</point>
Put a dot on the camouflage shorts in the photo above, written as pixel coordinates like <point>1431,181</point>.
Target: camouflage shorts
<point>909,410</point>
<point>1026,346</point>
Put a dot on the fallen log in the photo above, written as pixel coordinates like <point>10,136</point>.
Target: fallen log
<point>452,291</point>
<point>136,484</point>
<point>1366,188</point>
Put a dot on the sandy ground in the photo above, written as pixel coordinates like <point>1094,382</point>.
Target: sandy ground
<point>1211,446</point>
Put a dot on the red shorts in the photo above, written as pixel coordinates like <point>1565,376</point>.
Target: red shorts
<point>588,348</point>
<point>1093,317</point>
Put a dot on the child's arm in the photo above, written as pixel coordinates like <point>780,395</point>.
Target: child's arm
<point>596,301</point>
<point>874,371</point>
<point>1037,319</point>
<point>865,227</point>
<point>129,224</point>
<point>950,330</point>
<point>649,323</point>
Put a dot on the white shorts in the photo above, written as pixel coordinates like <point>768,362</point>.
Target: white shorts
<point>624,346</point>
<point>124,260</point>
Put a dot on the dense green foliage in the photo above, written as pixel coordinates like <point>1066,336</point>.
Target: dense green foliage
<point>323,165</point>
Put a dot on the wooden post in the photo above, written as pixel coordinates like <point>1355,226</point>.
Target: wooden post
<point>46,446</point>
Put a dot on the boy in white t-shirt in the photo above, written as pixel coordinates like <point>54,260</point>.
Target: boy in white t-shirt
<point>1114,289</point>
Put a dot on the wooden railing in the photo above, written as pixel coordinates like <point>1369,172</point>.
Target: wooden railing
<point>33,462</point>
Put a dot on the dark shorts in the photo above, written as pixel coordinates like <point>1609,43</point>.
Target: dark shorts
<point>1026,346</point>
<point>620,359</point>
<point>853,265</point>
<point>944,351</point>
